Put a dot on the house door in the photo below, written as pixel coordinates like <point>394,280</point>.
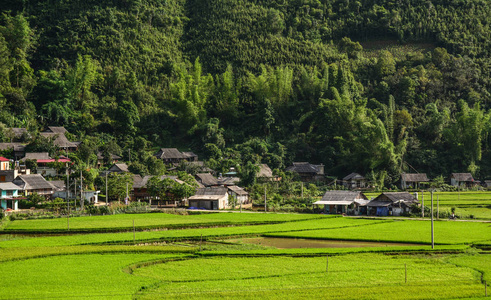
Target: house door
<point>214,205</point>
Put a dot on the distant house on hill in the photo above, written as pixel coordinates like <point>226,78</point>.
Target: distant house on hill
<point>43,161</point>
<point>354,181</point>
<point>206,179</point>
<point>60,140</point>
<point>174,156</point>
<point>119,168</point>
<point>348,202</point>
<point>307,171</point>
<point>239,194</point>
<point>113,158</point>
<point>16,134</point>
<point>462,179</point>
<point>210,198</point>
<point>17,149</point>
<point>391,204</point>
<point>412,180</point>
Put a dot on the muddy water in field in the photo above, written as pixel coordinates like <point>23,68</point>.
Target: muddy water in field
<point>286,243</point>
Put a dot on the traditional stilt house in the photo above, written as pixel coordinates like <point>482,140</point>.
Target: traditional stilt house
<point>344,202</point>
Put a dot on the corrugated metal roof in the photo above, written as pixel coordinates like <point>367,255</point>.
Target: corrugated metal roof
<point>320,202</point>
<point>342,196</point>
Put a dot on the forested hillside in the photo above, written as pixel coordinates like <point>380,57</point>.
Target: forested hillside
<point>377,87</point>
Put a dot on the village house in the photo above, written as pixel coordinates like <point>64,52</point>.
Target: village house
<point>391,204</point>
<point>344,202</point>
<point>413,180</point>
<point>206,179</point>
<point>113,158</point>
<point>16,134</point>
<point>18,149</point>
<point>43,161</point>
<point>174,156</point>
<point>140,189</point>
<point>307,171</point>
<point>118,168</point>
<point>213,198</point>
<point>7,174</point>
<point>34,183</point>
<point>9,196</point>
<point>60,140</point>
<point>265,174</point>
<point>354,181</point>
<point>462,180</point>
<point>238,194</point>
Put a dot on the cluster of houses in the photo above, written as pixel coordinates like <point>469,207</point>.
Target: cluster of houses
<point>220,192</point>
<point>356,203</point>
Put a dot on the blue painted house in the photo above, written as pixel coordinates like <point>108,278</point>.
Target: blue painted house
<point>9,193</point>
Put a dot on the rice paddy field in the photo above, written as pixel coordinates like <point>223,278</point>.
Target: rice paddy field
<point>467,204</point>
<point>222,255</point>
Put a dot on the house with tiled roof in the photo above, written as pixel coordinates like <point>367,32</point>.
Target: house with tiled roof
<point>413,180</point>
<point>308,171</point>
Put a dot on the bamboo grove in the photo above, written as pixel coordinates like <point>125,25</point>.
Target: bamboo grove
<point>375,86</point>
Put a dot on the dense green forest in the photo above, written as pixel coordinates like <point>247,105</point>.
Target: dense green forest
<point>376,87</point>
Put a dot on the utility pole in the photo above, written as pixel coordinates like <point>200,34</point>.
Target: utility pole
<point>75,192</point>
<point>437,207</point>
<point>432,228</point>
<point>302,191</point>
<point>68,197</point>
<point>81,191</point>
<point>127,196</point>
<point>422,204</point>
<point>265,208</point>
<point>107,196</point>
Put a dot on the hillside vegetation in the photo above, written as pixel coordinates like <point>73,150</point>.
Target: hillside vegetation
<point>243,82</point>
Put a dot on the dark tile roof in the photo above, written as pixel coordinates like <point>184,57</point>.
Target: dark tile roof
<point>32,182</point>
<point>462,176</point>
<point>189,154</point>
<point>303,167</point>
<point>414,177</point>
<point>342,196</point>
<point>354,176</point>
<point>170,153</point>
<point>238,190</point>
<point>144,181</point>
<point>390,198</point>
<point>206,179</point>
<point>58,184</point>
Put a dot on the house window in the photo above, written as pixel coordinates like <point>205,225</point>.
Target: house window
<point>10,193</point>
<point>2,178</point>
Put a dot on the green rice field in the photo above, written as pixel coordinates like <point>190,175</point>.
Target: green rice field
<point>212,259</point>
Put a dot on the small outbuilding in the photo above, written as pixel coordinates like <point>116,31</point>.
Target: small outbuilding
<point>462,179</point>
<point>344,202</point>
<point>239,194</point>
<point>213,198</point>
<point>412,180</point>
<point>391,204</point>
<point>9,196</point>
<point>308,171</point>
<point>354,181</point>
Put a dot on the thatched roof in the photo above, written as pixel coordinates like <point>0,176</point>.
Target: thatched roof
<point>122,167</point>
<point>100,156</point>
<point>144,181</point>
<point>238,190</point>
<point>32,182</point>
<point>353,176</point>
<point>60,140</point>
<point>170,153</point>
<point>14,146</point>
<point>36,156</point>
<point>414,177</point>
<point>206,179</point>
<point>57,129</point>
<point>18,132</point>
<point>265,171</point>
<point>462,176</point>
